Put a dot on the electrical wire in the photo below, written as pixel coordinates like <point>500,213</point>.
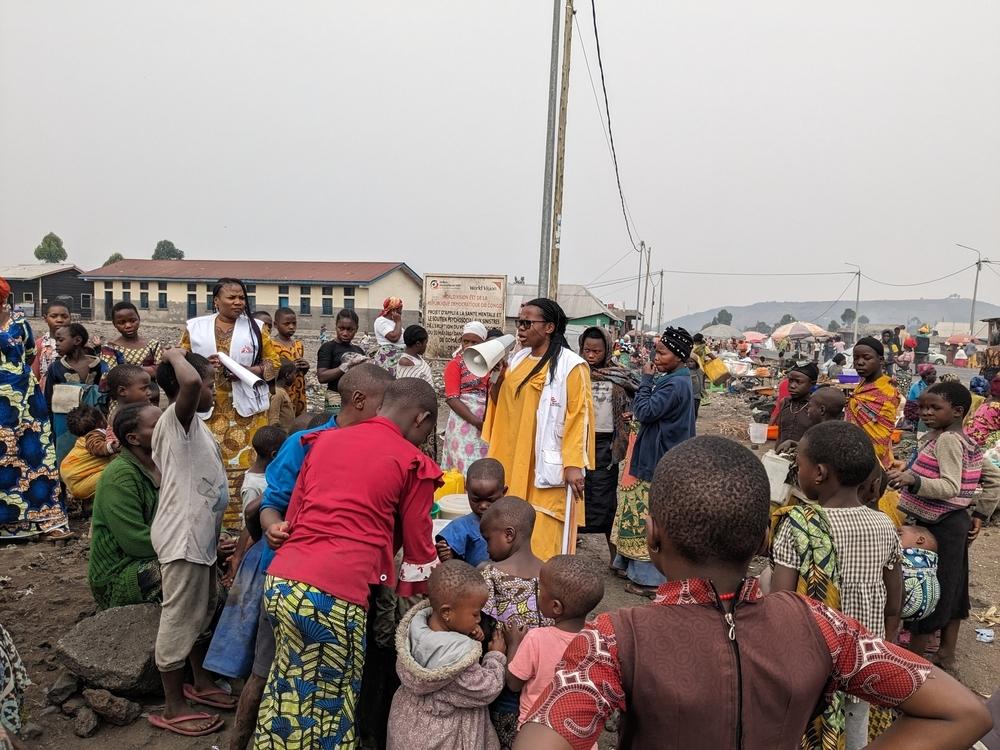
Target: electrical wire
<point>830,307</point>
<point>776,274</point>
<point>628,253</point>
<point>625,279</point>
<point>920,283</point>
<point>989,265</point>
<point>611,135</point>
<point>600,114</point>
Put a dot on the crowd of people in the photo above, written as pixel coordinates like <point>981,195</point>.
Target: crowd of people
<point>296,551</point>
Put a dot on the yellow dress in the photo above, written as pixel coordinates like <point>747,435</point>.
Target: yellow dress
<point>233,432</point>
<point>509,429</point>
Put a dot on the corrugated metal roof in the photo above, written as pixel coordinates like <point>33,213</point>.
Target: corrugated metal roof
<point>948,328</point>
<point>253,271</point>
<point>27,271</point>
<point>575,299</point>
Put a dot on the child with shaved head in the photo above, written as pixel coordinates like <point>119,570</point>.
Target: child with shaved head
<point>714,664</point>
<point>514,586</point>
<point>569,589</point>
<point>444,688</point>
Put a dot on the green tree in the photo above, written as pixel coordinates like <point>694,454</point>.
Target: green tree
<point>51,249</point>
<point>863,320</point>
<point>785,320</point>
<point>848,316</point>
<point>724,317</point>
<point>833,327</point>
<point>761,327</point>
<point>165,250</point>
<point>114,258</point>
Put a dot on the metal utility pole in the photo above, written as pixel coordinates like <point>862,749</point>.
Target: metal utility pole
<point>652,305</point>
<point>659,316</point>
<point>638,293</point>
<point>645,286</point>
<point>857,301</point>
<point>550,142</point>
<point>975,288</point>
<point>553,290</point>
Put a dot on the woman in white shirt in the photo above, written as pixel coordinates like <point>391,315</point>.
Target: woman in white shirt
<point>389,334</point>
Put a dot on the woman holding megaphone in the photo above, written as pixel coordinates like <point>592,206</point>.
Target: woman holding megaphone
<point>540,425</point>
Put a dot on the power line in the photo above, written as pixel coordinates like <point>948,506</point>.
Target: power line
<point>784,274</point>
<point>611,135</point>
<point>920,283</point>
<point>723,273</point>
<point>627,254</point>
<point>839,297</point>
<point>597,103</point>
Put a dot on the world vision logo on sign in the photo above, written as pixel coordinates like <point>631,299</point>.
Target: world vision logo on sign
<point>452,300</point>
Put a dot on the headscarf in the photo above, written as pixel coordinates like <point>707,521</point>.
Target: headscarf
<point>679,341</point>
<point>810,370</point>
<point>476,329</point>
<point>979,385</point>
<point>392,304</point>
<point>624,389</point>
<point>872,343</point>
<point>926,369</point>
<point>4,291</point>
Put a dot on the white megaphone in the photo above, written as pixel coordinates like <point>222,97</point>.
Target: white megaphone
<point>482,358</point>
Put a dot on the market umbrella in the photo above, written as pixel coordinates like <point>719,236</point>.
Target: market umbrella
<point>721,331</point>
<point>798,330</point>
<point>960,339</point>
<point>754,337</point>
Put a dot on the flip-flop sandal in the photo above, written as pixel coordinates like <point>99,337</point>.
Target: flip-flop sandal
<point>645,591</point>
<point>205,698</point>
<point>618,572</point>
<point>170,725</point>
<point>58,535</point>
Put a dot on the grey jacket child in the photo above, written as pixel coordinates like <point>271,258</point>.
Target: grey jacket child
<point>445,692</point>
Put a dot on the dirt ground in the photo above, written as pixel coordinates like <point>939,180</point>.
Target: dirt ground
<point>43,592</point>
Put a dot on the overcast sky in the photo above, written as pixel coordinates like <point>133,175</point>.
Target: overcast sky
<point>769,136</point>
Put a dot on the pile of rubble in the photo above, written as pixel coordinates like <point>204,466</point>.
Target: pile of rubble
<point>106,657</point>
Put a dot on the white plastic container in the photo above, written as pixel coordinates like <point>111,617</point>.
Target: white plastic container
<point>758,433</point>
<point>777,471</point>
<point>454,506</point>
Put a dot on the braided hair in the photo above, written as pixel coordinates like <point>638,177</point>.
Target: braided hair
<point>127,421</point>
<point>551,313</point>
<point>257,338</point>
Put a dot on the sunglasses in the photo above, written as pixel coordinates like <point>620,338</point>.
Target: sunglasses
<point>524,325</point>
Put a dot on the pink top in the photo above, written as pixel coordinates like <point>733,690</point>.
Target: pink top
<point>535,662</point>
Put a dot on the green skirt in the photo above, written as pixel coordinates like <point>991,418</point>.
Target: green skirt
<point>629,530</point>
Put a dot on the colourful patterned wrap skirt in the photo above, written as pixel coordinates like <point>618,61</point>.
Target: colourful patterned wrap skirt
<point>312,690</point>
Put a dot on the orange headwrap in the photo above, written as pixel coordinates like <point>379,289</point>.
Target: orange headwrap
<point>4,290</point>
<point>390,304</point>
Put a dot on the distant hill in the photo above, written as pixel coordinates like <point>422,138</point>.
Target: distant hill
<point>901,311</point>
